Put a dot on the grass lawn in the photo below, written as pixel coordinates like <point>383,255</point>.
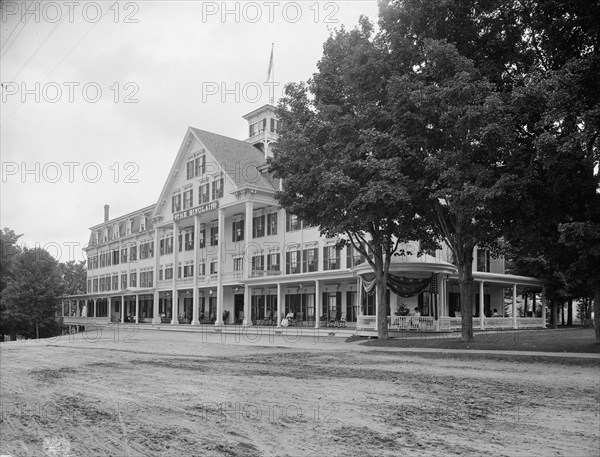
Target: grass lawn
<point>542,340</point>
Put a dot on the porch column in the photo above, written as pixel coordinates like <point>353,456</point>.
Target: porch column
<point>122,309</point>
<point>247,238</point>
<point>247,316</point>
<point>377,308</point>
<point>95,308</point>
<point>481,306</point>
<point>279,301</point>
<point>220,264</point>
<point>155,314</point>
<point>195,294</point>
<point>359,295</point>
<point>543,306</point>
<point>318,304</point>
<point>175,298</point>
<point>137,308</point>
<point>514,306</point>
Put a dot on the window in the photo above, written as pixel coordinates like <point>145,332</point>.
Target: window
<point>213,267</point>
<point>258,127</point>
<point>133,278</point>
<point>190,169</point>
<point>142,223</point>
<point>188,198</point>
<point>202,239</point>
<point>169,245</point>
<point>115,282</point>
<point>160,274</point>
<point>180,241</point>
<point>123,280</point>
<point>115,257</point>
<point>200,163</point>
<point>176,203</point>
<point>214,236</point>
<point>331,258</point>
<point>169,272</point>
<point>272,224</point>
<point>258,263</point>
<point>124,255</point>
<point>95,284</point>
<point>105,235</point>
<point>188,271</point>
<point>196,167</point>
<point>128,227</point>
<point>353,257</point>
<point>274,125</point>
<point>292,262</point>
<point>310,261</point>
<point>204,193</point>
<point>201,269</point>
<point>483,260</point>
<point>237,232</point>
<point>273,262</point>
<point>97,236</point>
<point>217,189</point>
<point>146,278</point>
<point>189,240</point>
<point>116,231</point>
<point>238,264</point>
<point>89,286</point>
<point>292,222</point>
<point>258,226</point>
<point>146,250</point>
<point>133,253</point>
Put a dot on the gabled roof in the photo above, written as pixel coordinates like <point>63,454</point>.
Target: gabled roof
<point>238,159</point>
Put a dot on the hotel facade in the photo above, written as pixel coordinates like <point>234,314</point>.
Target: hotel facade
<point>217,249</point>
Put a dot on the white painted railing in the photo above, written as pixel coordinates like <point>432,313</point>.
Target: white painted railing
<point>411,323</point>
<point>74,320</point>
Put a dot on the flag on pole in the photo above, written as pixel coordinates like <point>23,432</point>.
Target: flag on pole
<point>270,64</point>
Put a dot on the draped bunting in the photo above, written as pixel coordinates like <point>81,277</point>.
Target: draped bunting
<point>368,285</point>
<point>403,286</point>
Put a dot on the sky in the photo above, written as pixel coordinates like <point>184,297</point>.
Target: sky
<point>97,97</point>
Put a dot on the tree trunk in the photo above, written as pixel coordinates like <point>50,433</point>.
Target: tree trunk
<point>554,314</point>
<point>570,312</point>
<point>562,314</point>
<point>597,311</point>
<point>465,281</point>
<point>382,321</point>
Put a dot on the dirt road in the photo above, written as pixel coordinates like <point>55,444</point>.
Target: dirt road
<point>181,394</point>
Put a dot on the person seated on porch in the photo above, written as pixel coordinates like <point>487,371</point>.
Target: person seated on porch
<point>495,313</point>
<point>414,321</point>
<point>201,316</point>
<point>285,322</point>
<point>290,317</point>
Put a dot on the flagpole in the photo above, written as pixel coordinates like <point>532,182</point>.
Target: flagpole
<point>272,73</point>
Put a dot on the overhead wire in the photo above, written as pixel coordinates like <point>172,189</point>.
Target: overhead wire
<point>19,22</point>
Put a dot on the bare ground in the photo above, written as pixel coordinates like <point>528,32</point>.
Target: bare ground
<point>183,394</point>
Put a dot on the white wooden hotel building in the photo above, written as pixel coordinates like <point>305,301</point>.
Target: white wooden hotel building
<point>217,249</point>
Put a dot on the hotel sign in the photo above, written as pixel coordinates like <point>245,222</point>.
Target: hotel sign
<point>197,210</point>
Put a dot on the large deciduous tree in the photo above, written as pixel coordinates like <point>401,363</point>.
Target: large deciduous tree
<point>341,169</point>
<point>74,277</point>
<point>453,123</point>
<point>32,295</point>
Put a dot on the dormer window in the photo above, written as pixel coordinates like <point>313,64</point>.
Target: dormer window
<point>128,227</point>
<point>142,223</point>
<point>97,236</point>
<point>116,231</point>
<point>105,235</point>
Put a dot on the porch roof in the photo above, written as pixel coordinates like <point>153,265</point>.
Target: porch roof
<point>417,266</point>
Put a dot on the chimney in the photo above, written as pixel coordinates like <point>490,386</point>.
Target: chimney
<point>106,207</point>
